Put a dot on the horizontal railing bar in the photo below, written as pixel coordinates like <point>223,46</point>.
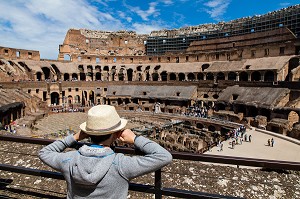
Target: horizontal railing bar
<point>193,194</point>
<point>132,186</point>
<point>230,160</point>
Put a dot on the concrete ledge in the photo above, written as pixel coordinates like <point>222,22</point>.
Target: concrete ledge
<point>293,140</point>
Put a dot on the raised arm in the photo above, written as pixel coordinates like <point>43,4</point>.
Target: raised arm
<point>155,157</point>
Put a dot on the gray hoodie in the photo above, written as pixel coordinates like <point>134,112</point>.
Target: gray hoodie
<point>97,172</point>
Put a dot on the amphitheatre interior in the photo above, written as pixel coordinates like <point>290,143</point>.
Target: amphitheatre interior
<point>175,86</point>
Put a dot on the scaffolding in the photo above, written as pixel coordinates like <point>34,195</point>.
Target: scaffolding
<point>286,17</point>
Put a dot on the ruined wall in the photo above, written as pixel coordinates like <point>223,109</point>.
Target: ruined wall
<point>14,53</point>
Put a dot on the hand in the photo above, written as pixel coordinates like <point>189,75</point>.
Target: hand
<point>80,135</point>
<point>127,136</point>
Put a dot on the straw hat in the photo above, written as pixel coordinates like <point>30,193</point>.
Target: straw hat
<point>103,120</point>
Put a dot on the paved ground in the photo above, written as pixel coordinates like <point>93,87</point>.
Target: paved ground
<point>282,150</point>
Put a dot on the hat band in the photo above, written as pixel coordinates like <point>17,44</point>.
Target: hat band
<point>107,129</point>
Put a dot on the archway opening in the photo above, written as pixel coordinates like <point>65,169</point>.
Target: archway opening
<point>98,76</point>
<point>181,76</point>
<point>155,77</point>
<point>38,76</point>
<point>209,76</point>
<point>172,76</point>
<point>66,77</point>
<point>55,98</point>
<point>232,76</point>
<point>255,76</point>
<point>191,76</point>
<point>220,76</point>
<point>46,72</point>
<point>269,76</point>
<point>67,57</point>
<point>74,76</point>
<point>129,74</point>
<point>244,76</point>
<point>200,76</point>
<point>164,76</point>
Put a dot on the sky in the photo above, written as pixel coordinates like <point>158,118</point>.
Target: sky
<point>42,24</point>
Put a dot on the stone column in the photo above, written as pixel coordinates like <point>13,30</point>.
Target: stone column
<point>237,76</point>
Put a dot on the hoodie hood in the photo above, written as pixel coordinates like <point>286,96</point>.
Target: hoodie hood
<point>92,164</point>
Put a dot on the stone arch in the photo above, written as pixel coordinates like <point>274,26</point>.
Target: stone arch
<point>232,76</point>
<point>211,128</point>
<point>220,76</point>
<point>204,67</point>
<point>38,76</point>
<point>67,57</point>
<point>255,76</point>
<point>77,99</point>
<point>164,76</point>
<point>200,76</point>
<point>70,99</point>
<point>129,74</point>
<point>98,76</point>
<point>209,76</point>
<point>66,77</point>
<point>74,76</point>
<point>46,72</point>
<point>90,73</point>
<point>57,71</point>
<point>293,117</point>
<point>181,76</point>
<point>54,98</point>
<point>191,76</point>
<point>106,68</point>
<point>243,76</point>
<point>269,76</point>
<point>98,68</point>
<point>121,74</point>
<point>155,76</point>
<point>172,76</point>
<point>199,126</point>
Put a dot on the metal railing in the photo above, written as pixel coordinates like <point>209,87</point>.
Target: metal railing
<point>157,189</point>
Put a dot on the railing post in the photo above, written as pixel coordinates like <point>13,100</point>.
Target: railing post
<point>157,185</point>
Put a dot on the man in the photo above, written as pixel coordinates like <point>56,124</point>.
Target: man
<point>95,171</point>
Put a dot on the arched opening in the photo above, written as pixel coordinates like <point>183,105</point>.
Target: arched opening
<point>155,77</point>
<point>191,76</point>
<point>255,76</point>
<point>91,98</point>
<point>172,76</point>
<point>55,98</point>
<point>164,76</point>
<point>181,76</point>
<point>139,77</point>
<point>98,68</point>
<point>98,76</point>
<point>215,96</point>
<point>38,76</point>
<point>70,99</point>
<point>82,76</point>
<point>232,76</point>
<point>199,126</point>
<point>269,76</point>
<point>209,76</point>
<point>200,76</point>
<point>66,77</point>
<point>129,74</point>
<point>211,128</point>
<point>90,73</point>
<point>57,71</point>
<point>46,72</point>
<point>74,76</point>
<point>113,73</point>
<point>293,63</point>
<point>244,76</point>
<point>77,99</point>
<point>121,74</point>
<point>220,76</point>
<point>204,67</point>
<point>67,57</point>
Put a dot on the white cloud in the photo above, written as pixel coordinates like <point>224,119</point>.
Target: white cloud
<point>168,2</point>
<point>216,8</point>
<point>145,14</point>
<point>284,4</point>
<point>42,25</point>
<point>141,28</point>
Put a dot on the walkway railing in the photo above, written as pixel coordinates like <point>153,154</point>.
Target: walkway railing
<point>157,189</point>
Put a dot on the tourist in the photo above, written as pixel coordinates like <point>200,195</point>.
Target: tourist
<point>96,171</point>
<point>250,136</point>
<point>269,142</point>
<point>272,142</point>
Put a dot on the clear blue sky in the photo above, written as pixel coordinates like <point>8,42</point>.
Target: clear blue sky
<point>42,24</point>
